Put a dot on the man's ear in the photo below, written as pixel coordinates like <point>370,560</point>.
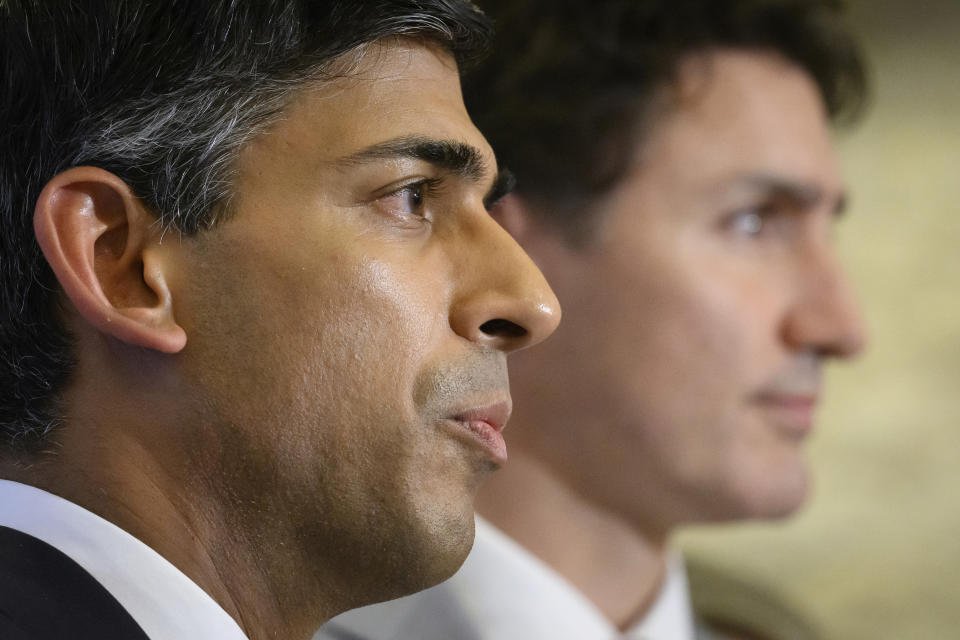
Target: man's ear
<point>103,246</point>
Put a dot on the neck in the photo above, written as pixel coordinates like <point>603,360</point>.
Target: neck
<point>146,498</point>
<point>619,568</point>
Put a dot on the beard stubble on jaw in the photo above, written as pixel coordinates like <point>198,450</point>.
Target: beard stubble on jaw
<point>323,514</point>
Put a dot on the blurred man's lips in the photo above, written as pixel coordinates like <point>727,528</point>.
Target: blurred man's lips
<point>792,413</point>
<point>483,426</point>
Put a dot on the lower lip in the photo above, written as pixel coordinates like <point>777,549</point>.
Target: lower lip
<point>793,417</point>
<point>485,435</point>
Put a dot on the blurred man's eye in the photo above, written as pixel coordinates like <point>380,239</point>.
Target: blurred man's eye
<point>748,222</point>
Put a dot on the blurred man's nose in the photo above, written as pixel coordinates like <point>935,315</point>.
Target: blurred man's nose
<point>826,317</point>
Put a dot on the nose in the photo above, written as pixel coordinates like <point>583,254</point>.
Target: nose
<point>502,301</point>
<point>826,318</point>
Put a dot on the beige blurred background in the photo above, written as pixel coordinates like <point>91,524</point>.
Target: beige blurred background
<point>876,554</point>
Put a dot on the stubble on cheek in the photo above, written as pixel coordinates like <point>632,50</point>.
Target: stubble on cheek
<point>319,440</point>
<point>297,440</point>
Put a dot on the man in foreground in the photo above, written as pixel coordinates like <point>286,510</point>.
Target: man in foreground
<point>255,313</point>
<point>678,188</point>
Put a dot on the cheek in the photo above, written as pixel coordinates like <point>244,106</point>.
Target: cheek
<point>372,345</point>
<point>678,335</point>
<point>371,327</point>
<point>687,347</point>
<point>307,381</point>
<point>725,346</point>
<point>334,338</point>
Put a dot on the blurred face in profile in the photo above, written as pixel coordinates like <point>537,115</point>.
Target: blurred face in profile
<point>685,377</point>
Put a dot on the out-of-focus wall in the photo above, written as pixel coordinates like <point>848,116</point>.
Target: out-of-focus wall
<point>876,554</point>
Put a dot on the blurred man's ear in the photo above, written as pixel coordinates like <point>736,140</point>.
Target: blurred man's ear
<point>104,247</point>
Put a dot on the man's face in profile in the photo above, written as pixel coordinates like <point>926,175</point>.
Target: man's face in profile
<point>348,326</point>
<point>698,319</point>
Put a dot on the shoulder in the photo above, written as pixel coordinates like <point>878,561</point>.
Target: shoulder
<point>45,594</point>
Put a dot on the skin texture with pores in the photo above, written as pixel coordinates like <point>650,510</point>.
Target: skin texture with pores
<point>354,299</point>
<point>305,450</point>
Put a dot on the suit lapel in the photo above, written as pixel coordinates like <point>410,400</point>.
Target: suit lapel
<point>45,595</point>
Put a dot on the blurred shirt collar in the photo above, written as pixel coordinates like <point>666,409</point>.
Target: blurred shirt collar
<point>503,592</point>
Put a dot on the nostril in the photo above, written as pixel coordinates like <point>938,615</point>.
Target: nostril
<point>503,328</point>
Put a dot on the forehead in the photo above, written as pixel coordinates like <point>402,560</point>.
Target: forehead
<point>734,112</point>
<point>388,89</point>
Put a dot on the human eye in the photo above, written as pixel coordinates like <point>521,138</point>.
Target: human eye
<point>746,222</point>
<point>755,220</point>
<point>409,201</point>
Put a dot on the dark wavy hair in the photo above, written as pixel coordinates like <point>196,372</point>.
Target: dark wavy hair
<point>569,91</point>
<point>163,93</point>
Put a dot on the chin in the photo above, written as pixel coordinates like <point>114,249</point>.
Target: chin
<point>434,550</point>
<point>451,540</point>
<point>758,494</point>
<point>780,497</point>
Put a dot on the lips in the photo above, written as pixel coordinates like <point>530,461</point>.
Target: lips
<point>483,426</point>
<point>792,413</point>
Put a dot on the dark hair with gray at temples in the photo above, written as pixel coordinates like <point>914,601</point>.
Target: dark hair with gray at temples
<point>569,92</point>
<point>163,93</point>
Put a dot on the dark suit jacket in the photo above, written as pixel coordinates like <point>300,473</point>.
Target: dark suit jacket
<point>44,595</point>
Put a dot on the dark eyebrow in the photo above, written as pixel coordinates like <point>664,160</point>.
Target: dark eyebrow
<point>804,194</point>
<point>450,155</point>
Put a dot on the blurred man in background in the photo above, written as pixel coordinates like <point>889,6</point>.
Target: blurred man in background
<point>679,189</point>
<point>255,313</point>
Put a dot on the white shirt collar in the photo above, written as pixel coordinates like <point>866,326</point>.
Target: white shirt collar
<point>671,615</point>
<point>165,603</point>
<point>512,595</point>
<point>503,592</point>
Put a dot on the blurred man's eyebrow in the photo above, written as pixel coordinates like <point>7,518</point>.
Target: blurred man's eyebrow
<point>803,193</point>
<point>450,155</point>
